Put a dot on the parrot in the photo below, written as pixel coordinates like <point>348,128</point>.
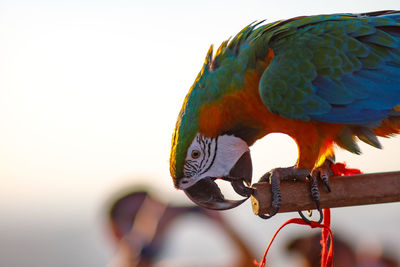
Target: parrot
<point>326,81</point>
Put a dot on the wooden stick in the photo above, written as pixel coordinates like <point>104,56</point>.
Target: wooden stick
<point>353,190</point>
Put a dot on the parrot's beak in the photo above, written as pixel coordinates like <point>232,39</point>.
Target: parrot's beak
<point>207,194</point>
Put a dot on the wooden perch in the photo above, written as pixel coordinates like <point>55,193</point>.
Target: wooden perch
<point>353,190</point>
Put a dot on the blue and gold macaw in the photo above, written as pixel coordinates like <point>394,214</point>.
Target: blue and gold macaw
<point>322,80</point>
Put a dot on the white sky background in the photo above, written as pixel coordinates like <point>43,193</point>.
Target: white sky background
<point>90,92</point>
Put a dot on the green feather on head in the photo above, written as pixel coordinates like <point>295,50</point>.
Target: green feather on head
<point>187,124</point>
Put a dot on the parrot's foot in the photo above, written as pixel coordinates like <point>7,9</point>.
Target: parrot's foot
<point>275,176</point>
<point>324,172</point>
<point>316,197</point>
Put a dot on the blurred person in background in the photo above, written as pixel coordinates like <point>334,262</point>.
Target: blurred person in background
<point>139,222</point>
<point>368,254</point>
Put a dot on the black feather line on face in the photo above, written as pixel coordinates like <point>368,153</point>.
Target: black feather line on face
<point>214,156</point>
<point>201,165</point>
<point>203,145</point>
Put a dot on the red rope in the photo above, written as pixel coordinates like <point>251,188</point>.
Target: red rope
<point>326,258</point>
<point>338,169</point>
<point>326,254</point>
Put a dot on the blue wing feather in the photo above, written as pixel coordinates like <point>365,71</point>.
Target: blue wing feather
<point>376,93</point>
<point>333,92</point>
<point>357,66</point>
<point>358,116</point>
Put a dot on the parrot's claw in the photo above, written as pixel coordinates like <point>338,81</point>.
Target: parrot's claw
<point>314,190</point>
<point>276,194</point>
<point>321,216</point>
<point>325,181</point>
<point>274,177</point>
<point>324,172</point>
<point>241,188</point>
<point>316,197</point>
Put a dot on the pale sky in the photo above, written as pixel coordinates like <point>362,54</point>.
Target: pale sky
<point>90,92</point>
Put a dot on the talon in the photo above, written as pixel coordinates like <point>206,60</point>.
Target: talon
<point>325,181</point>
<point>309,213</point>
<point>304,217</point>
<point>241,189</point>
<point>316,197</point>
<point>314,190</point>
<point>321,216</point>
<point>265,177</point>
<point>266,217</point>
<point>276,193</point>
<point>324,172</point>
<point>274,177</point>
<point>274,211</point>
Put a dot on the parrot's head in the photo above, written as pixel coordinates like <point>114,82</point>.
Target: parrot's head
<point>198,159</point>
<point>225,157</point>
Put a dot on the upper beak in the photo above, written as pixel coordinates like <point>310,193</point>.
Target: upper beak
<point>207,194</point>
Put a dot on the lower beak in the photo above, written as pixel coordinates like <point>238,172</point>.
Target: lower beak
<point>207,194</point>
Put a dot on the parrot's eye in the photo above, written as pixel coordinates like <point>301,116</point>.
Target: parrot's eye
<point>195,154</point>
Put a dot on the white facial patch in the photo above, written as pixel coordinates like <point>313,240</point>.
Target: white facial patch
<point>211,157</point>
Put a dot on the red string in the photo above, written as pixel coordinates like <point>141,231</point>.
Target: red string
<point>326,255</point>
<point>338,169</point>
<point>329,255</point>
